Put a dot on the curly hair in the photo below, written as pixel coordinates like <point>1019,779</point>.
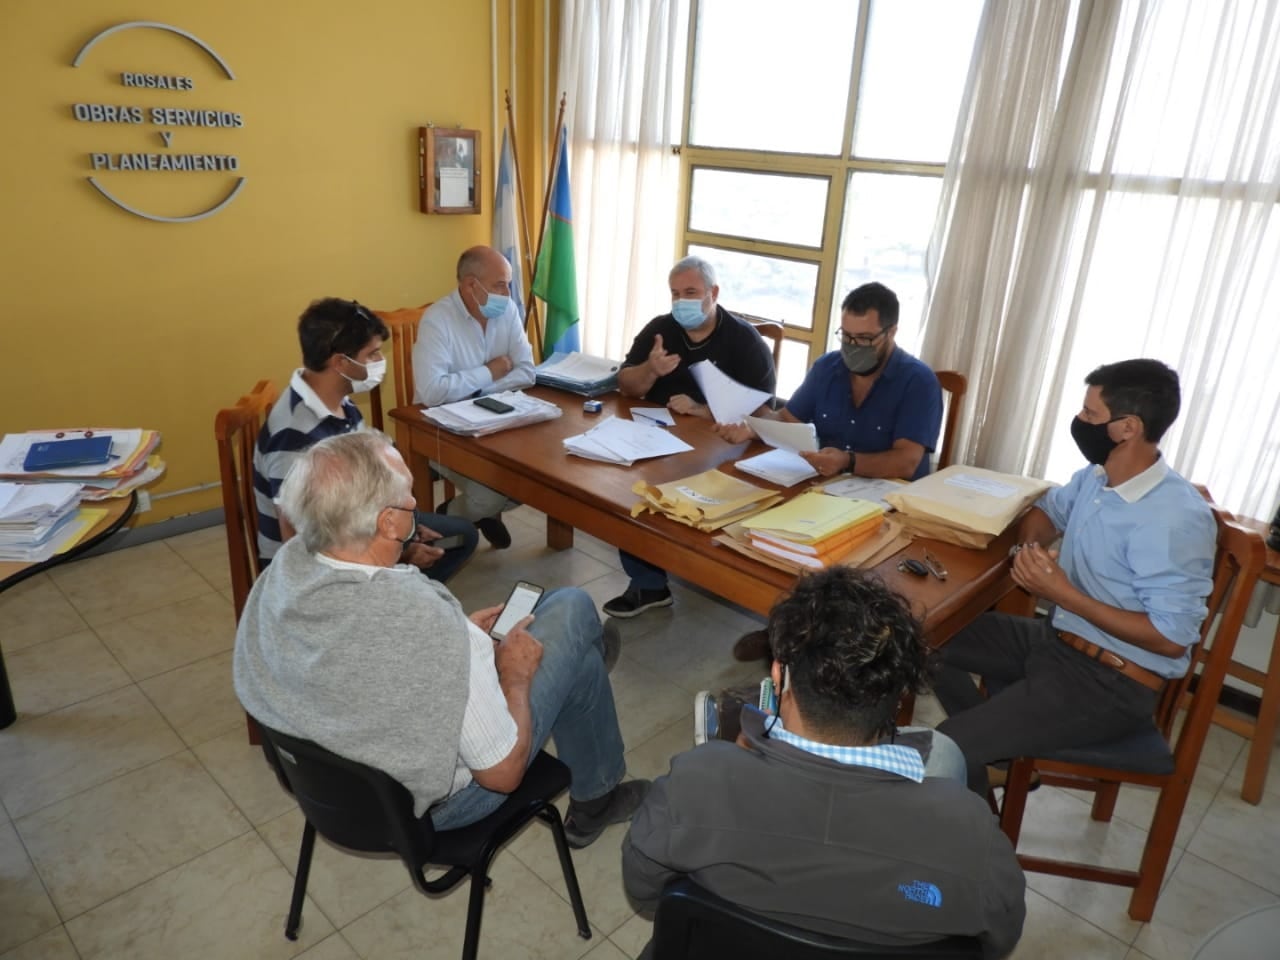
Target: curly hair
<point>853,649</point>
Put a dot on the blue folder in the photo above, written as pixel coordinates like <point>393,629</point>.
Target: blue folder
<point>76,452</point>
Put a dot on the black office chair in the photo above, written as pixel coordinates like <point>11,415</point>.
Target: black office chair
<point>692,923</point>
<point>364,809</point>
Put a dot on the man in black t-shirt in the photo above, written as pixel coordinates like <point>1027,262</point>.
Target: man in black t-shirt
<point>657,369</point>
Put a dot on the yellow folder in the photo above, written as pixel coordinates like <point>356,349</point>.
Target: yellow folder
<point>812,516</point>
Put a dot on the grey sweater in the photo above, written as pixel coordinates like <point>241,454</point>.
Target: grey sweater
<point>370,666</point>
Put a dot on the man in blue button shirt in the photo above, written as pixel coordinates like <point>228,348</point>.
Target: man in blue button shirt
<point>1128,587</point>
<point>877,409</point>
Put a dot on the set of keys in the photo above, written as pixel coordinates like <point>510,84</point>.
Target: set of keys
<point>923,568</point>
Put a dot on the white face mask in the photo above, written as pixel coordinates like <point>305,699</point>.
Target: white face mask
<point>374,371</point>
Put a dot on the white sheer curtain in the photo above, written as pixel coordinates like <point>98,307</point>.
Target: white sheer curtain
<point>1112,192</point>
<point>622,65</point>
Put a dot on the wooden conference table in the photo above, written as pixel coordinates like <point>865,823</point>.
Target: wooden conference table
<point>12,573</point>
<point>530,464</point>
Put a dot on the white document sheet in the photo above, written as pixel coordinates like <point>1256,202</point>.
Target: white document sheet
<point>625,442</point>
<point>729,400</point>
<point>795,437</point>
<point>782,467</point>
<point>864,488</point>
<point>658,415</point>
<point>984,485</point>
<point>455,187</point>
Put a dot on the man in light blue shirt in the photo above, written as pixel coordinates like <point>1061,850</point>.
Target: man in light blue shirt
<point>472,343</point>
<point>1128,587</point>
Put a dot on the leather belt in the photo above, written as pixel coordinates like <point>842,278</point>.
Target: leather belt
<point>1152,681</point>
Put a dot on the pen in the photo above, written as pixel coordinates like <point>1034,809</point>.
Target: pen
<point>654,420</point>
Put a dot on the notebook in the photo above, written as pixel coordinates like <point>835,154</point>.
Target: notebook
<point>76,452</point>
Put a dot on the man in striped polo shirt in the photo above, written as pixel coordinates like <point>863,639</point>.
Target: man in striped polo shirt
<point>341,354</point>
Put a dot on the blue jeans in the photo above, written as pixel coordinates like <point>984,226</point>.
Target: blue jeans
<point>644,575</point>
<point>446,526</point>
<point>571,700</point>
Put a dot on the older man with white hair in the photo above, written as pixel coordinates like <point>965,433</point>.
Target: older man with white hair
<point>342,645</point>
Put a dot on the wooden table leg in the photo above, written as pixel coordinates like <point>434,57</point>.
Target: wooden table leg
<point>1264,730</point>
<point>420,466</point>
<point>559,534</point>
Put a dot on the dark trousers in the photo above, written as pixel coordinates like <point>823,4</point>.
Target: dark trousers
<point>1043,694</point>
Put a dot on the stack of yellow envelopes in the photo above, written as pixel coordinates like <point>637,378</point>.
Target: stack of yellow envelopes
<point>707,501</point>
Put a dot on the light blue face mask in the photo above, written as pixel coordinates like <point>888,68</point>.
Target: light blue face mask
<point>495,306</point>
<point>689,313</point>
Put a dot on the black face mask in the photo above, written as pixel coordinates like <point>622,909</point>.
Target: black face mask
<point>1093,440</point>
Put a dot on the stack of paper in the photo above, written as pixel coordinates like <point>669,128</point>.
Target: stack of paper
<point>38,520</point>
<point>814,530</point>
<point>131,460</point>
<point>707,501</point>
<point>466,418</point>
<point>624,441</point>
<point>578,373</point>
<point>964,505</point>
<point>783,464</point>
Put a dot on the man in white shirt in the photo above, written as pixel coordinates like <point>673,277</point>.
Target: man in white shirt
<point>473,343</point>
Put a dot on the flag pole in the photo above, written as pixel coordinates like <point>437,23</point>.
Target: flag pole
<point>546,203</point>
<point>526,268</point>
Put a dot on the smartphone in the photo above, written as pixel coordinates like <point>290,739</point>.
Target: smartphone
<point>495,406</point>
<point>448,543</point>
<point>524,597</point>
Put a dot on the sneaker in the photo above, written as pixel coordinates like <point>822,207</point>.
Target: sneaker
<point>718,716</point>
<point>582,829</point>
<point>635,602</point>
<point>752,646</point>
<point>612,645</point>
<point>495,531</point>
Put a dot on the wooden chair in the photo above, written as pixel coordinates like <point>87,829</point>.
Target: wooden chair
<point>770,330</point>
<point>954,384</point>
<point>236,431</point>
<point>403,324</point>
<point>1152,758</point>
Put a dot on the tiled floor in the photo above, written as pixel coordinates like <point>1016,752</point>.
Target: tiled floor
<point>138,823</point>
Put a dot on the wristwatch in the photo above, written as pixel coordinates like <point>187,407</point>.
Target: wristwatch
<point>852,458</point>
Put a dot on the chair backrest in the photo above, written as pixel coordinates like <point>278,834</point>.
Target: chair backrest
<point>403,324</point>
<point>348,803</point>
<point>770,330</point>
<point>692,922</point>
<point>954,384</point>
<point>1240,560</point>
<point>236,431</point>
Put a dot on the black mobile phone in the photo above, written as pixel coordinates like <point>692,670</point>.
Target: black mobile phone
<point>496,406</point>
<point>448,543</point>
<point>524,597</point>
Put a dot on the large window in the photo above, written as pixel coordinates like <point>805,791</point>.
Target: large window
<point>814,152</point>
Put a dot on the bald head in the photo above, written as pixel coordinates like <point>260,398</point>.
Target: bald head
<point>483,263</point>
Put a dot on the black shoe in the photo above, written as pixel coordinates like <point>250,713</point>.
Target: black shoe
<point>582,829</point>
<point>753,646</point>
<point>635,602</point>
<point>612,645</point>
<point>495,531</point>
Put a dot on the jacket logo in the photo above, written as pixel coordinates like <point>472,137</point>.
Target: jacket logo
<point>920,892</point>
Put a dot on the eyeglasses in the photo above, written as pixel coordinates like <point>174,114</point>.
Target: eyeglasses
<point>860,339</point>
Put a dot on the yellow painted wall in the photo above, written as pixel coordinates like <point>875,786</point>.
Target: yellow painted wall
<point>111,319</point>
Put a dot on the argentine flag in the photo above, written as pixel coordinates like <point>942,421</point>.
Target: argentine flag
<point>506,230</point>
